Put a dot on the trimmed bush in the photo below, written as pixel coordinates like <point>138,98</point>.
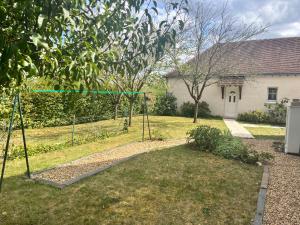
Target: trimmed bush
<point>205,137</point>
<point>165,105</point>
<point>223,144</point>
<point>231,148</point>
<point>255,116</point>
<point>187,109</point>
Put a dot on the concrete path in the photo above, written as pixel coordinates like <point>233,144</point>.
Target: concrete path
<point>236,129</point>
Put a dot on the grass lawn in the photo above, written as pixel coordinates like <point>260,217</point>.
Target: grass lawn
<point>166,125</point>
<point>170,127</point>
<point>267,133</point>
<point>171,186</point>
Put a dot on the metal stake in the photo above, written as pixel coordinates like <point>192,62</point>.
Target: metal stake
<point>73,129</point>
<point>144,109</point>
<point>8,140</point>
<point>147,114</point>
<point>23,134</point>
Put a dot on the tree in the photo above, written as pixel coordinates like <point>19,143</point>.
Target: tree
<point>140,67</point>
<point>115,92</point>
<point>211,35</point>
<point>71,42</point>
<point>133,81</point>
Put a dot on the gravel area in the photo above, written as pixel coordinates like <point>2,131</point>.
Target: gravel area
<point>283,193</point>
<point>62,174</point>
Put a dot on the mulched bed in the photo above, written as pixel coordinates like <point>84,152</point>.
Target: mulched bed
<point>65,174</point>
<point>283,194</point>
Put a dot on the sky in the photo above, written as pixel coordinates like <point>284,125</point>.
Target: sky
<point>283,16</point>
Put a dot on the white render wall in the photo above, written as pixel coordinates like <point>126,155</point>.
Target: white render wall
<point>254,93</point>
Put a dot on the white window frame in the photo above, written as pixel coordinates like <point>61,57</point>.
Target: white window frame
<point>268,93</point>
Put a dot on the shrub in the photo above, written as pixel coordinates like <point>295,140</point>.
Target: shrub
<point>156,135</point>
<point>275,114</point>
<point>205,137</point>
<point>225,145</point>
<point>187,109</point>
<point>165,105</point>
<point>230,148</point>
<point>255,116</point>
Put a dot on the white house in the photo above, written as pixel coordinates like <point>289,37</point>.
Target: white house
<point>276,65</point>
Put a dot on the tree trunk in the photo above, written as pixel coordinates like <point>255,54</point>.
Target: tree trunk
<point>196,112</point>
<point>131,101</point>
<point>116,111</point>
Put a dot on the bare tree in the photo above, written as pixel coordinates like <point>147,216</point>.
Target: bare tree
<point>210,36</point>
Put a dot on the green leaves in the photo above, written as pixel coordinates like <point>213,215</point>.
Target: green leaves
<point>41,20</point>
<point>66,13</point>
<point>78,41</point>
<point>38,41</point>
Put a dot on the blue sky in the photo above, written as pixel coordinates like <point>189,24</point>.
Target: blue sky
<point>283,16</point>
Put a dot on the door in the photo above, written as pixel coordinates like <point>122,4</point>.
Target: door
<point>231,102</point>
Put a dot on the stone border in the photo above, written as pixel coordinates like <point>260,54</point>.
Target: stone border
<point>95,171</point>
<point>258,220</point>
<point>83,176</point>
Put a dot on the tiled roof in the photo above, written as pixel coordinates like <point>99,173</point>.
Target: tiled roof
<point>279,56</point>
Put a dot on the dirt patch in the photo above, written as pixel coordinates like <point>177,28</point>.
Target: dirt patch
<point>65,174</point>
<point>283,194</point>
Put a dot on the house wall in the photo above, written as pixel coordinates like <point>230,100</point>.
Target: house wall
<point>254,93</point>
<point>211,94</point>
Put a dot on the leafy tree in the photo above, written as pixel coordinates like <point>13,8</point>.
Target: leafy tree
<point>157,37</point>
<point>72,42</point>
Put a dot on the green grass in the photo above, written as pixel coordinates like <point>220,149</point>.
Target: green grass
<point>267,133</point>
<point>170,127</point>
<point>171,186</point>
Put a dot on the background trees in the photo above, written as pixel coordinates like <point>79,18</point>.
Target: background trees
<point>207,37</point>
<point>73,41</point>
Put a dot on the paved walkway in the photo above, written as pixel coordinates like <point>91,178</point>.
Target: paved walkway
<point>236,129</point>
<point>69,173</point>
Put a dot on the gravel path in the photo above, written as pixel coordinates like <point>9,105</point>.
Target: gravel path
<point>62,175</point>
<point>283,194</point>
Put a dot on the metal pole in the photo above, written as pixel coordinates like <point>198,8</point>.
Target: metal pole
<point>73,129</point>
<point>23,134</point>
<point>7,141</point>
<point>146,107</point>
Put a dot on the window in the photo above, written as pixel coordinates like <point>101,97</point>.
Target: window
<point>272,94</point>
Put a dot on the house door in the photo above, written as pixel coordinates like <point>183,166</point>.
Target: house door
<point>231,102</point>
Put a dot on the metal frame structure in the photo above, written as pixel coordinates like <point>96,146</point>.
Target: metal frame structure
<point>17,101</point>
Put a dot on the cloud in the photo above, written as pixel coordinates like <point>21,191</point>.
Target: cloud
<point>282,15</point>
